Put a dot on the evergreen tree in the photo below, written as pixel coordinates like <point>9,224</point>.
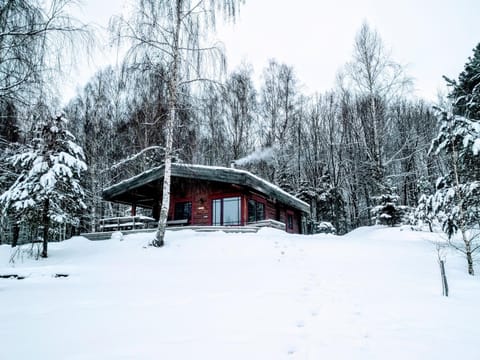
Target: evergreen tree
<point>330,205</point>
<point>326,204</point>
<point>387,212</point>
<point>307,193</point>
<point>423,213</point>
<point>9,131</point>
<point>47,190</point>
<point>465,92</point>
<point>285,179</point>
<point>457,196</point>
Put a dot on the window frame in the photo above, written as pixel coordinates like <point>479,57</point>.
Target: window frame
<point>256,201</point>
<point>183,201</point>
<point>221,200</point>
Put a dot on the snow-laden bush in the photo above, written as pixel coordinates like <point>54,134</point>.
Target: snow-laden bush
<point>326,227</point>
<point>117,236</point>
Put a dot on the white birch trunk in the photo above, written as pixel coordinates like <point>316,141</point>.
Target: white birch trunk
<point>468,251</point>
<point>172,104</point>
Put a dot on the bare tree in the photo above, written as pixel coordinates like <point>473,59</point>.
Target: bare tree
<point>34,40</point>
<point>96,113</point>
<point>213,145</point>
<point>240,111</point>
<point>173,33</point>
<point>376,79</point>
<point>278,106</point>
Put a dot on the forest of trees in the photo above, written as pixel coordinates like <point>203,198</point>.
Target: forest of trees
<point>358,154</point>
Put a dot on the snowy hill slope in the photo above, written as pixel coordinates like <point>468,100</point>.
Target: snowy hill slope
<point>372,294</point>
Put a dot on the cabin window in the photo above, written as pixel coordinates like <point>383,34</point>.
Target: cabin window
<point>256,211</point>
<point>226,211</point>
<point>183,211</point>
<point>289,221</point>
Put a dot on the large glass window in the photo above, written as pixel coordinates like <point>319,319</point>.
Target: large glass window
<point>256,211</point>
<point>183,211</point>
<point>226,211</point>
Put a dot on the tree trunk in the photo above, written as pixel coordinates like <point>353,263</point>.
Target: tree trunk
<point>46,225</point>
<point>16,234</point>
<point>162,221</point>
<point>470,263</point>
<point>468,252</point>
<point>93,209</point>
<point>172,104</point>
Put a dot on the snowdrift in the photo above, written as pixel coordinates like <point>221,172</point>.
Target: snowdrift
<point>372,294</point>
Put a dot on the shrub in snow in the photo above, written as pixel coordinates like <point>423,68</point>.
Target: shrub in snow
<point>326,227</point>
<point>423,213</point>
<point>319,227</point>
<point>422,216</point>
<point>47,190</point>
<point>117,235</point>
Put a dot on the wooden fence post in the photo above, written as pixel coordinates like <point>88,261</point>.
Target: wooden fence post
<point>444,278</point>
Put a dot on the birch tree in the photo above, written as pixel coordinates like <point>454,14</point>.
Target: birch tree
<point>173,33</point>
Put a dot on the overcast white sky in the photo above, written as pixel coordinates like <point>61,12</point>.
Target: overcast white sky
<point>431,37</point>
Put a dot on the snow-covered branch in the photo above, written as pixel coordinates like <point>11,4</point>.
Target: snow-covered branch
<point>136,156</point>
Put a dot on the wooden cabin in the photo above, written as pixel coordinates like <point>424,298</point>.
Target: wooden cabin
<point>212,196</point>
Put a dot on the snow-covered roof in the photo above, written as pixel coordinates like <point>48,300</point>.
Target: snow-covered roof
<point>208,173</point>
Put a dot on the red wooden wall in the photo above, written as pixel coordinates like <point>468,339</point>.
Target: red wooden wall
<point>202,193</point>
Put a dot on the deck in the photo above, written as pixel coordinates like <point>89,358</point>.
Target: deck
<point>105,235</point>
<point>176,225</point>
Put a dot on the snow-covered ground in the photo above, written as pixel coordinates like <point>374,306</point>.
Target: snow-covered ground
<point>372,294</point>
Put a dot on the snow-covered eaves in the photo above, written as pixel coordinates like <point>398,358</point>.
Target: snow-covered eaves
<point>207,173</point>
